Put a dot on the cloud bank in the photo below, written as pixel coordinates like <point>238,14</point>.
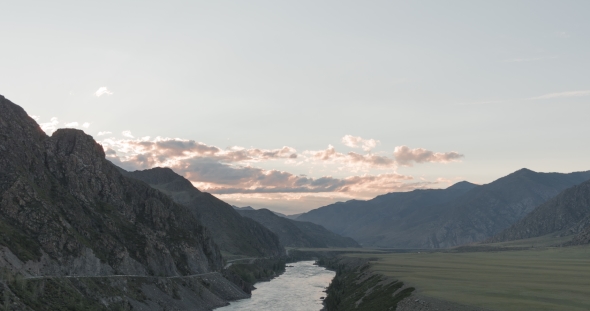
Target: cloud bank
<point>230,171</point>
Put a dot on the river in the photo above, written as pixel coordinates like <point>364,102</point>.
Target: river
<point>298,289</point>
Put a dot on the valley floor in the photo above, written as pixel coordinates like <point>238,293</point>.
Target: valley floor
<point>546,278</point>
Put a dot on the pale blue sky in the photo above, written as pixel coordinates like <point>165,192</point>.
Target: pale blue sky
<point>463,76</point>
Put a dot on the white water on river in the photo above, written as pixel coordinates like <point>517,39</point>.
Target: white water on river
<point>298,289</point>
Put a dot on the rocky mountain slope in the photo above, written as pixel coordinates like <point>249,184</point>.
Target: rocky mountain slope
<point>67,208</point>
<point>463,213</point>
<point>233,233</point>
<point>293,233</point>
<point>566,214</point>
<point>67,211</point>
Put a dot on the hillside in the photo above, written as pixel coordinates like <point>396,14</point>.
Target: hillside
<point>438,218</point>
<point>233,233</point>
<point>293,233</point>
<point>65,209</point>
<point>384,220</point>
<point>566,214</point>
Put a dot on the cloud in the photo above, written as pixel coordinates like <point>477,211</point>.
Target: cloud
<point>406,156</point>
<point>403,156</point>
<point>36,118</point>
<point>169,151</point>
<point>127,134</point>
<point>86,125</point>
<point>102,91</point>
<point>49,127</point>
<point>359,142</point>
<point>72,124</point>
<point>230,173</point>
<point>104,133</point>
<point>220,178</point>
<point>352,159</point>
<point>533,59</point>
<point>562,94</point>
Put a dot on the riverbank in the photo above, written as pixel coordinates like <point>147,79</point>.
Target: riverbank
<point>358,285</point>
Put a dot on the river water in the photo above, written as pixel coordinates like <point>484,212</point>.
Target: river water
<point>298,289</point>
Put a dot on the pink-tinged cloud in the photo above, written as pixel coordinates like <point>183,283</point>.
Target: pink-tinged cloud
<point>359,142</point>
<point>407,157</point>
<point>228,171</point>
<point>351,159</point>
<point>172,151</point>
<point>219,178</point>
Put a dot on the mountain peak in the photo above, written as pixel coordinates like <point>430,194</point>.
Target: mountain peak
<point>524,171</point>
<point>163,175</point>
<point>68,141</point>
<point>463,185</point>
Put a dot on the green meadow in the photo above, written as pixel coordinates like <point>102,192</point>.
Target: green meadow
<point>532,279</point>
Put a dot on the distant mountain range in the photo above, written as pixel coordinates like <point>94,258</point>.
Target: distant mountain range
<point>566,214</point>
<point>293,233</point>
<point>437,218</point>
<point>250,208</point>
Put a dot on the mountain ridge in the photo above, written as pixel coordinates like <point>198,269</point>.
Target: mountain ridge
<point>439,218</point>
<point>235,234</point>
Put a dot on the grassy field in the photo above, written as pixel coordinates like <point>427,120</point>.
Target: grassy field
<point>338,249</point>
<point>542,241</point>
<point>534,279</point>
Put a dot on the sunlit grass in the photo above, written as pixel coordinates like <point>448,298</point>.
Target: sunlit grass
<point>535,279</point>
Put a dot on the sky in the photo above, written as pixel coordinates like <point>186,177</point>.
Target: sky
<point>292,105</point>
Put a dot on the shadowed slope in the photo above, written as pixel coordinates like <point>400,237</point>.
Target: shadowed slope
<point>566,214</point>
<point>294,233</point>
<point>233,233</point>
